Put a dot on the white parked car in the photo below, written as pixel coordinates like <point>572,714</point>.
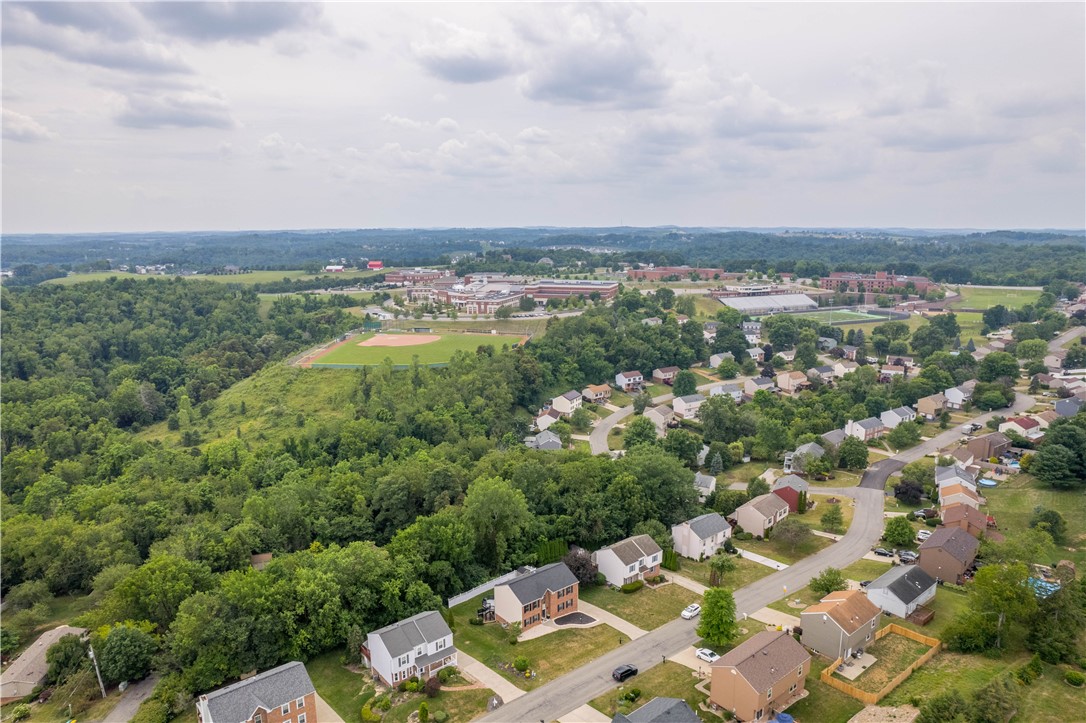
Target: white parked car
<point>705,654</point>
<point>691,611</point>
<point>923,535</point>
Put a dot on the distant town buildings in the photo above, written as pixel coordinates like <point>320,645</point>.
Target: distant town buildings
<point>878,282</point>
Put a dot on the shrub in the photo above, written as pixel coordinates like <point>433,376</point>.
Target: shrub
<point>412,686</point>
<point>632,695</point>
<point>1075,678</point>
<point>744,536</point>
<point>632,586</point>
<point>382,703</point>
<point>445,675</point>
<point>432,687</point>
<point>368,716</point>
<point>601,579</point>
<point>424,712</point>
<point>521,663</point>
<point>20,712</point>
<point>933,522</point>
<point>439,716</point>
<point>475,621</point>
<point>1031,671</point>
<point>402,687</point>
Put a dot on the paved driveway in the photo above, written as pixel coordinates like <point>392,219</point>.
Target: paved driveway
<point>130,701</point>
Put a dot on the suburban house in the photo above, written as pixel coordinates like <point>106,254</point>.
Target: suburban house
<point>958,494</point>
<point>901,361</point>
<point>629,381</point>
<point>954,474</point>
<point>596,393</point>
<point>967,517</point>
<point>842,367</point>
<point>652,321</point>
<point>823,373</point>
<point>687,407</point>
<point>567,404</point>
<point>842,622</point>
<point>958,397</point>
<point>666,375</point>
<point>546,418</point>
<point>756,353</point>
<point>931,407</point>
<point>761,513</point>
<point>865,429</point>
<point>760,677</point>
<point>797,461</point>
<point>537,596</point>
<point>1067,407</point>
<point>546,440</point>
<point>962,455</point>
<point>901,590</point>
<point>789,488</point>
<point>948,553</point>
<point>825,343</point>
<point>662,417</point>
<point>710,326</point>
<point>1024,427</point>
<point>889,371</point>
<point>701,536</point>
<point>789,355</point>
<point>792,382</point>
<point>734,390</point>
<point>27,673</point>
<point>893,417</point>
<point>1046,418</point>
<point>660,710</point>
<point>849,351</point>
<point>278,695</point>
<point>705,484</point>
<point>989,446</point>
<point>419,646</point>
<point>715,360</point>
<point>634,558</point>
<point>752,330</point>
<point>758,383</point>
<point>834,437</point>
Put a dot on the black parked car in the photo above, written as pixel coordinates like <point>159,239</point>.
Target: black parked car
<point>883,552</point>
<point>623,672</point>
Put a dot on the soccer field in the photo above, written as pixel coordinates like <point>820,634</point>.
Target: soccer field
<point>840,316</point>
<point>402,348</point>
<point>971,297</point>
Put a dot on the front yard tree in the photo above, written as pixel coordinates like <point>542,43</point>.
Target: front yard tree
<point>719,566</point>
<point>828,581</point>
<point>685,383</point>
<point>791,532</point>
<point>641,402</point>
<point>997,365</point>
<point>126,653</point>
<point>852,454</point>
<point>908,492</point>
<point>718,624</point>
<point>498,513</point>
<point>639,431</point>
<point>832,519</point>
<point>580,420</point>
<point>899,532</point>
<point>580,564</point>
<point>757,487</point>
<point>904,435</point>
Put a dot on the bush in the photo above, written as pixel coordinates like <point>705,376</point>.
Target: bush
<point>1075,678</point>
<point>475,621</point>
<point>382,703</point>
<point>632,586</point>
<point>439,716</point>
<point>432,687</point>
<point>744,536</point>
<point>933,522</point>
<point>601,579</point>
<point>412,686</point>
<point>632,695</point>
<point>424,712</point>
<point>520,664</point>
<point>368,716</point>
<point>445,675</point>
<point>20,712</point>
<point>1031,671</point>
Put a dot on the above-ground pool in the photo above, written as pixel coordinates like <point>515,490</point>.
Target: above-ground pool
<point>987,483</point>
<point>1014,465</point>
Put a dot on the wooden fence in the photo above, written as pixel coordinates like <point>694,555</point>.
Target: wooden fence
<point>872,698</point>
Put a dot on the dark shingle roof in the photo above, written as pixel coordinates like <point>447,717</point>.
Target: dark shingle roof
<point>692,398</point>
<point>704,481</point>
<point>790,480</point>
<point>633,548</point>
<point>765,659</point>
<point>531,587</point>
<point>408,634</point>
<point>905,582</point>
<point>660,710</point>
<point>834,437</point>
<point>708,525</point>
<point>269,690</point>
<point>572,396</point>
<point>871,423</point>
<point>954,540</point>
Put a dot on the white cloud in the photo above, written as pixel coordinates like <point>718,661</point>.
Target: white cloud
<point>175,109</point>
<point>460,55</point>
<point>23,128</point>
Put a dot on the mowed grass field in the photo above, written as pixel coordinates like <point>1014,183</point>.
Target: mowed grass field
<point>840,316</point>
<point>434,352</point>
<point>972,297</point>
<point>970,322</point>
<point>252,277</point>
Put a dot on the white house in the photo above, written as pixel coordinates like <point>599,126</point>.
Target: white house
<point>865,429</point>
<point>756,353</point>
<point>823,373</point>
<point>715,360</point>
<point>567,404</point>
<point>893,417</point>
<point>761,513</point>
<point>797,461</point>
<point>660,416</point>
<point>958,397</point>
<point>1025,427</point>
<point>705,484</point>
<point>420,645</point>
<point>734,390</point>
<point>843,366</point>
<point>545,440</point>
<point>701,536</point>
<point>687,407</point>
<point>901,590</point>
<point>546,419</point>
<point>629,381</point>
<point>634,558</point>
<point>954,475</point>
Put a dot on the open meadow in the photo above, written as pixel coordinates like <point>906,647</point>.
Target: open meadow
<point>402,348</point>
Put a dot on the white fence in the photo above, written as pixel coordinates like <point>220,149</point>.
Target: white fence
<point>486,586</point>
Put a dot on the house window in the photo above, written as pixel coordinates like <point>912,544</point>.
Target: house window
<point>758,714</point>
<point>300,703</point>
<point>869,636</point>
<point>631,568</point>
<point>301,718</point>
<point>790,690</point>
<point>404,660</point>
<point>769,693</point>
<point>258,718</point>
<point>440,644</point>
<point>285,709</point>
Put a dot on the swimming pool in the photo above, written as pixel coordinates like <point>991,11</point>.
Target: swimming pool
<point>987,483</point>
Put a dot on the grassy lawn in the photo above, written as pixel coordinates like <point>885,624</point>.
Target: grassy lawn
<point>974,298</point>
<point>344,691</point>
<point>440,350</point>
<point>57,710</point>
<point>823,703</point>
<point>655,390</point>
<point>840,478</point>
<point>647,608</point>
<point>894,653</point>
<point>620,399</point>
<point>1012,503</point>
<point>804,595</point>
<point>742,473</point>
<point>811,518</point>
<point>947,604</point>
<point>668,680</point>
<point>614,438</point>
<point>745,572</point>
<point>706,307</point>
<point>776,550</point>
<point>865,570</point>
<point>582,446</point>
<point>550,656</point>
<point>461,705</point>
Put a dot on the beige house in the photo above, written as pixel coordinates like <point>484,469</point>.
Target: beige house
<point>687,407</point>
<point>29,669</point>
<point>842,622</point>
<point>634,558</point>
<point>958,494</point>
<point>843,367</point>
<point>761,677</point>
<point>567,404</point>
<point>761,513</point>
<point>662,417</point>
<point>596,393</point>
<point>792,382</point>
<point>701,536</point>
<point>931,407</point>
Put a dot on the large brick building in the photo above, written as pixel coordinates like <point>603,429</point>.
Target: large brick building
<point>879,282</point>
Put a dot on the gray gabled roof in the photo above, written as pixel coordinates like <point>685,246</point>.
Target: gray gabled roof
<point>767,505</point>
<point>824,369</point>
<point>633,548</point>
<point>531,587</point>
<point>572,396</point>
<point>269,691</point>
<point>834,437</point>
<point>790,480</point>
<point>955,541</point>
<point>704,481</point>
<point>705,526</point>
<point>660,710</point>
<point>903,412</point>
<point>811,449</point>
<point>871,423</point>
<point>953,472</point>
<point>412,632</point>
<point>1068,407</point>
<point>692,399</point>
<point>905,582</point>
<point>763,381</point>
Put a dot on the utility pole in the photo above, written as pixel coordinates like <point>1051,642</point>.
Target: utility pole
<point>96,670</point>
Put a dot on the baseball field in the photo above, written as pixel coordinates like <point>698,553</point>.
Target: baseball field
<point>402,347</point>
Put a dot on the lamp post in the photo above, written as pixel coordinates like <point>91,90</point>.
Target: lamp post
<point>90,652</point>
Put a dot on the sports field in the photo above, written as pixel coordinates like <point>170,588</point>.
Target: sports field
<point>840,316</point>
<point>401,348</point>
<point>973,297</point>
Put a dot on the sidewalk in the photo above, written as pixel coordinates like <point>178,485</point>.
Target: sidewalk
<point>683,581</point>
<point>585,714</point>
<point>490,678</point>
<point>762,559</point>
<point>769,616</point>
<point>628,629</point>
<point>828,535</point>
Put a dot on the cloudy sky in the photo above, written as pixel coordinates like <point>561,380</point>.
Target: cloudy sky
<point>187,116</point>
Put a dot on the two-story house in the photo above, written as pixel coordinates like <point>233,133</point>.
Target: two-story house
<point>537,596</point>
<point>792,382</point>
<point>760,677</point>
<point>634,558</point>
<point>823,373</point>
<point>990,446</point>
<point>948,553</point>
<point>1025,427</point>
<point>280,695</point>
<point>665,375</point>
<point>761,513</point>
<point>701,537</point>
<point>901,590</point>
<point>629,381</point>
<point>958,494</point>
<point>687,407</point>
<point>596,393</point>
<point>865,429</point>
<point>796,462</point>
<point>715,360</point>
<point>567,404</point>
<point>958,397</point>
<point>843,366</point>
<point>419,646</point>
<point>752,386</point>
<point>893,417</point>
<point>932,406</point>
<point>842,622</point>
<point>789,488</point>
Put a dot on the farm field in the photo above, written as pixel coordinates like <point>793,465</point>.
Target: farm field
<point>433,349</point>
<point>971,297</point>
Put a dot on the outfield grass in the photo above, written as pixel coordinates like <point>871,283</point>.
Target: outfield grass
<point>970,322</point>
<point>1012,503</point>
<point>434,352</point>
<point>970,297</point>
<point>648,608</point>
<point>253,277</point>
<point>520,327</point>
<point>344,691</point>
<point>666,680</point>
<point>823,703</point>
<point>744,574</point>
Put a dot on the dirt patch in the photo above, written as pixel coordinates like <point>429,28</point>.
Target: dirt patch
<point>894,653</point>
<point>883,714</point>
<point>399,340</point>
